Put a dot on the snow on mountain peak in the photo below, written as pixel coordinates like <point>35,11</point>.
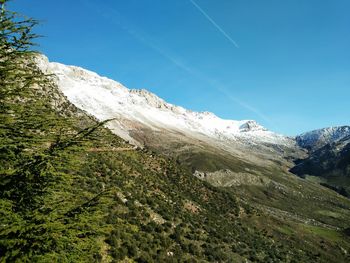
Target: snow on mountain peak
<point>315,139</point>
<point>105,99</point>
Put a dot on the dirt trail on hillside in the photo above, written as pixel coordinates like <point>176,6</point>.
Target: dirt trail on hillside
<point>114,149</point>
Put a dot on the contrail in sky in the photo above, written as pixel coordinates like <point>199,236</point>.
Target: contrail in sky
<point>214,24</point>
<point>117,19</point>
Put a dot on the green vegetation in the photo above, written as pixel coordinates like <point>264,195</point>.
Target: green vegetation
<point>64,200</point>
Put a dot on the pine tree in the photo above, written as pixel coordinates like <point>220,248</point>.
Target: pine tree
<point>24,118</point>
<point>37,146</point>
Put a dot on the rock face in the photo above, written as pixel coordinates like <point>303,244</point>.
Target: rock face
<point>142,118</point>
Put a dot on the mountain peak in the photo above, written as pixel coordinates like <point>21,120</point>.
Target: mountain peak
<point>251,125</point>
<point>316,139</point>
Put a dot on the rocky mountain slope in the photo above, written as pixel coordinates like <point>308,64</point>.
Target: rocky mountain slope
<point>329,158</point>
<point>144,119</point>
<point>105,98</point>
<point>316,139</point>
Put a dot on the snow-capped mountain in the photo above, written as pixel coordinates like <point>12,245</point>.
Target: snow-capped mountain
<point>316,139</point>
<point>107,99</point>
<point>328,157</point>
<point>144,119</point>
<point>331,163</point>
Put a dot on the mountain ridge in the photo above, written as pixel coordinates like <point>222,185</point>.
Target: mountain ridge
<point>304,139</point>
<point>69,74</point>
<point>318,138</point>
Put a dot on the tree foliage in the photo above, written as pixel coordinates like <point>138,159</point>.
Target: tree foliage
<point>35,142</point>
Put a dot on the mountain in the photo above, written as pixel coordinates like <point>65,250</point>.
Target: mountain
<point>105,98</point>
<point>144,119</point>
<point>329,158</point>
<point>316,139</point>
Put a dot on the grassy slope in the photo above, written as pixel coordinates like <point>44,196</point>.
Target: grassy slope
<point>151,207</point>
<point>292,208</point>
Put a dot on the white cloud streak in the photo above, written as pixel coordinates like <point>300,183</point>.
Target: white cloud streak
<point>227,36</point>
<point>117,19</point>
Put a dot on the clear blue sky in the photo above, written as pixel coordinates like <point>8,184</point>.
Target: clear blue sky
<point>284,63</point>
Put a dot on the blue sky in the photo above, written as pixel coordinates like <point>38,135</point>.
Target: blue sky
<point>285,63</point>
